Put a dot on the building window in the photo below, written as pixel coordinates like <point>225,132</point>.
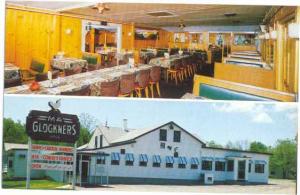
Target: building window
<point>122,151</point>
<point>162,145</point>
<point>207,165</point>
<point>101,141</point>
<point>230,165</point>
<point>143,160</point>
<point>10,164</point>
<point>115,158</point>
<point>156,161</point>
<point>96,141</point>
<point>163,135</point>
<point>194,163</point>
<point>129,159</point>
<point>156,164</point>
<point>182,162</point>
<point>220,166</point>
<point>169,161</point>
<point>175,154</point>
<point>101,160</point>
<point>176,137</point>
<point>259,168</point>
<point>249,167</point>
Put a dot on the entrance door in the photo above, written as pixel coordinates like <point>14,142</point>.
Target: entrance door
<point>84,171</point>
<point>241,169</point>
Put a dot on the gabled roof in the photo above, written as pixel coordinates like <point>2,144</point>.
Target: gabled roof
<point>122,137</point>
<point>13,146</point>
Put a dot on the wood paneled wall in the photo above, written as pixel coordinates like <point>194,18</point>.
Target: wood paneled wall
<point>283,51</point>
<point>31,35</point>
<point>128,36</point>
<point>248,75</point>
<point>162,41</point>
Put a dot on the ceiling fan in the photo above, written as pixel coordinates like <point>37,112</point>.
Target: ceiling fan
<point>101,7</point>
<point>181,25</point>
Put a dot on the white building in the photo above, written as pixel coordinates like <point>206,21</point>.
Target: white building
<point>165,154</point>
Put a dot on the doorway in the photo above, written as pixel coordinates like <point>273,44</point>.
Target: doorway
<point>84,171</point>
<point>241,169</point>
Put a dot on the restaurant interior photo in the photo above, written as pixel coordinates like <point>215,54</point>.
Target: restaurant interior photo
<point>151,50</point>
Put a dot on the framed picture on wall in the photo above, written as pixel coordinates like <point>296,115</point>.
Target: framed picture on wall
<point>142,34</point>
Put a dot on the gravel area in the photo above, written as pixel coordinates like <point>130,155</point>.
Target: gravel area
<point>275,186</point>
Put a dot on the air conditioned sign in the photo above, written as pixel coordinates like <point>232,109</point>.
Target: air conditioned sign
<point>52,126</point>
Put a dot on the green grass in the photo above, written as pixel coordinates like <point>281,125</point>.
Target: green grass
<point>34,184</point>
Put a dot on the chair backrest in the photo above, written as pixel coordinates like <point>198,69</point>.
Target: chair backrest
<point>71,71</point>
<point>155,73</point>
<point>41,77</point>
<point>12,82</point>
<point>55,74</point>
<point>92,67</point>
<point>143,78</point>
<point>127,83</point>
<point>84,91</point>
<point>110,88</point>
<point>37,66</point>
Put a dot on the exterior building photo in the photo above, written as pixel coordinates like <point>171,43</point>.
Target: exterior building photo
<point>167,154</point>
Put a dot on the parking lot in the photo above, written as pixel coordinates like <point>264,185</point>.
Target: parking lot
<point>275,186</point>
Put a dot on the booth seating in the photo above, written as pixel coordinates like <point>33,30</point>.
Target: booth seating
<point>216,89</point>
<point>92,59</point>
<point>36,67</point>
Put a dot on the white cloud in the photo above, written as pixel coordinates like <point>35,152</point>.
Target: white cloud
<point>262,118</point>
<point>282,107</point>
<point>257,112</point>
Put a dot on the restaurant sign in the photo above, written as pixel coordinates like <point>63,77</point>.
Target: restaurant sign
<point>52,126</point>
<point>55,167</point>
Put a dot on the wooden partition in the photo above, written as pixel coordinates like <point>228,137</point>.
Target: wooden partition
<point>243,74</point>
<point>243,48</point>
<point>242,88</point>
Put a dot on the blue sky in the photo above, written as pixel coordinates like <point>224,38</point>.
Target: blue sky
<point>218,121</point>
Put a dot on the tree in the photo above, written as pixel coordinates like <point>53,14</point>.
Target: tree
<point>88,121</point>
<point>214,144</point>
<point>258,147</point>
<point>284,158</point>
<point>14,132</point>
<point>84,137</point>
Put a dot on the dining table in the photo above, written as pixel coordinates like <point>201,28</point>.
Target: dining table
<point>68,63</point>
<point>11,71</point>
<point>246,53</point>
<point>246,62</point>
<point>167,62</point>
<point>78,81</point>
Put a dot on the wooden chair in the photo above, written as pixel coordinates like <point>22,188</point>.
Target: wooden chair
<point>44,76</point>
<point>12,82</point>
<point>73,71</point>
<point>127,86</point>
<point>142,83</point>
<point>155,73</point>
<point>84,91</point>
<point>110,88</point>
<point>175,72</point>
<point>35,68</point>
<point>91,67</point>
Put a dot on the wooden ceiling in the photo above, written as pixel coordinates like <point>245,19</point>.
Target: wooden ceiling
<point>189,14</point>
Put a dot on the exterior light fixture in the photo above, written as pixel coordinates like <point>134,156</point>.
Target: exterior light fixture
<point>273,34</point>
<point>293,30</point>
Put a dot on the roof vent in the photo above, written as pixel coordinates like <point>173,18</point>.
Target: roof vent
<point>160,14</point>
<point>125,125</point>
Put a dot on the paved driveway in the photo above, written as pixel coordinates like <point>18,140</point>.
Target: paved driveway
<point>275,186</point>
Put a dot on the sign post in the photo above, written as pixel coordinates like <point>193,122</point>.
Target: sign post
<point>28,168</point>
<point>74,166</point>
<point>52,126</point>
